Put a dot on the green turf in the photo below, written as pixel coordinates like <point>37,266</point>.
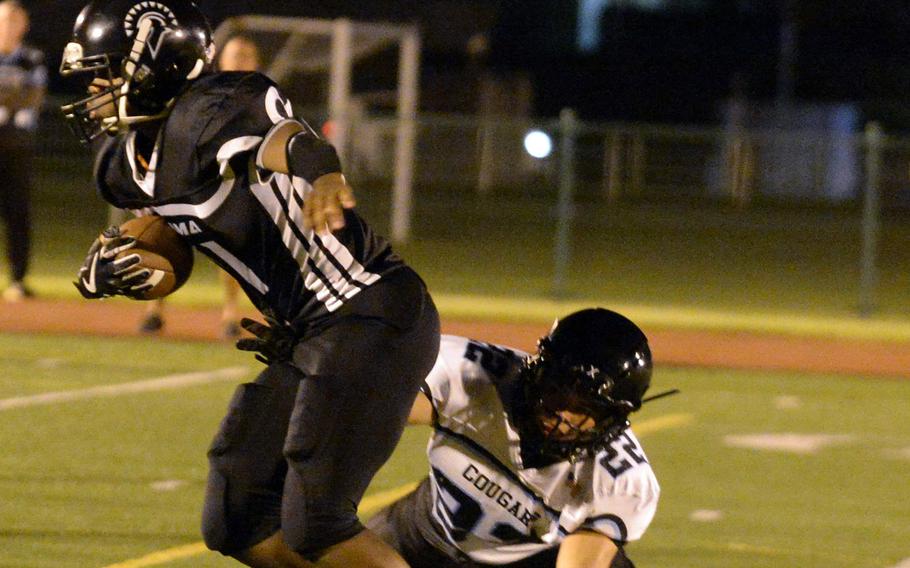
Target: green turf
<point>77,479</point>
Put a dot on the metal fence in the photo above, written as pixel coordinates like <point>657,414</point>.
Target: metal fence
<point>613,161</point>
<point>785,216</point>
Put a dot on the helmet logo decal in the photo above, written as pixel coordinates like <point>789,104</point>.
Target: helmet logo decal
<point>155,11</point>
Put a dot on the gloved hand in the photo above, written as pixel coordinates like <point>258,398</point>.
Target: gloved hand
<point>274,340</point>
<point>103,275</point>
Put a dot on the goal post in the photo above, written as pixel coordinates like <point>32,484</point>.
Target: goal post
<point>308,45</point>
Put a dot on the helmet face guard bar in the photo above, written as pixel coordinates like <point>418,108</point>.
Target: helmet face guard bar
<point>79,117</point>
<point>78,114</point>
<point>582,390</point>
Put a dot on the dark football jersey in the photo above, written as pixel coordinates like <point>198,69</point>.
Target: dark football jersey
<point>203,178</point>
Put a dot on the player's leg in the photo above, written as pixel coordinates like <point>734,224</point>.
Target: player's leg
<point>405,525</point>
<point>362,375</point>
<point>6,203</point>
<point>153,318</point>
<point>17,210</point>
<point>273,552</point>
<point>246,468</point>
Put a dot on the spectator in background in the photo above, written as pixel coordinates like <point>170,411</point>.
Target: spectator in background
<point>23,79</point>
<point>239,53</point>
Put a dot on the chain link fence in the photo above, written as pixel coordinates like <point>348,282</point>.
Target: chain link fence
<point>760,219</point>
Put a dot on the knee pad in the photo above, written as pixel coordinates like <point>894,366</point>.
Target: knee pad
<point>319,506</point>
<point>311,524</point>
<point>246,466</point>
<point>214,513</point>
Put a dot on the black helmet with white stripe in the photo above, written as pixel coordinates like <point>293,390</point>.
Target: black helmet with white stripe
<point>142,53</point>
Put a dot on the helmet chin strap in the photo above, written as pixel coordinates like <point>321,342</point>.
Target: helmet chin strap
<point>660,395</point>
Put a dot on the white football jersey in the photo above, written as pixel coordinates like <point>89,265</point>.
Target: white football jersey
<point>487,505</point>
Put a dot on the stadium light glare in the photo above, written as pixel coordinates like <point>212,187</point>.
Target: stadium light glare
<point>538,144</point>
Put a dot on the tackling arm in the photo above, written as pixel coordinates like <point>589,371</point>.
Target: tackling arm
<point>291,148</point>
<point>586,549</point>
<point>421,412</point>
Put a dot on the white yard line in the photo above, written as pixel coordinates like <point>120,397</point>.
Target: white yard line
<point>169,382</point>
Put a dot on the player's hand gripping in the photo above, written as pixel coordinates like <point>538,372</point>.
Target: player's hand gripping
<point>102,274</point>
<point>325,205</point>
<point>273,341</point>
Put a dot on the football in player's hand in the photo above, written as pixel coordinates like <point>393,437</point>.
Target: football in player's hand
<point>161,250</point>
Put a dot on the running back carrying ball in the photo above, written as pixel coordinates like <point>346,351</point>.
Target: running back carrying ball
<point>160,250</point>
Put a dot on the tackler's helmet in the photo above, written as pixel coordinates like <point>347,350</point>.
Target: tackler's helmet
<point>594,364</point>
<point>145,51</point>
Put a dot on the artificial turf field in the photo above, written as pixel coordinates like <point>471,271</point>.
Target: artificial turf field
<point>103,478</point>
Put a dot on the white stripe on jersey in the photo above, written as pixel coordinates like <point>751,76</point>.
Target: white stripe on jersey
<point>328,268</point>
<point>205,209</point>
<point>233,147</point>
<point>145,182</point>
<point>240,269</point>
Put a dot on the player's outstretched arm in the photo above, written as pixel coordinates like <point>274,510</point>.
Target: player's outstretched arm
<point>585,549</point>
<point>291,148</point>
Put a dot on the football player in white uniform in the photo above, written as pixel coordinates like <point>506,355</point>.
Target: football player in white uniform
<point>532,461</point>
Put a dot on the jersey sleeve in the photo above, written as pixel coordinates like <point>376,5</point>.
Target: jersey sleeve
<point>243,116</point>
<point>625,492</point>
<point>444,385</point>
<point>106,175</point>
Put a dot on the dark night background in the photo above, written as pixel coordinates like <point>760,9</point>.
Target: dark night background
<point>670,65</point>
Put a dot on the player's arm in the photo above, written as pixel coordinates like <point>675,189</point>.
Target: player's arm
<point>291,148</point>
<point>586,549</point>
<point>421,412</point>
<point>31,93</point>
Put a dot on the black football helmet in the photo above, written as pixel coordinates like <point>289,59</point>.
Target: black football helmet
<point>594,363</point>
<point>146,50</point>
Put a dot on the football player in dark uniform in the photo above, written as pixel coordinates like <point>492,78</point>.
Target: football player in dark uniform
<point>223,159</point>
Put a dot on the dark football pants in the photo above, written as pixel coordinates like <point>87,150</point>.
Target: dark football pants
<point>299,446</point>
<point>15,208</point>
<point>407,527</point>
